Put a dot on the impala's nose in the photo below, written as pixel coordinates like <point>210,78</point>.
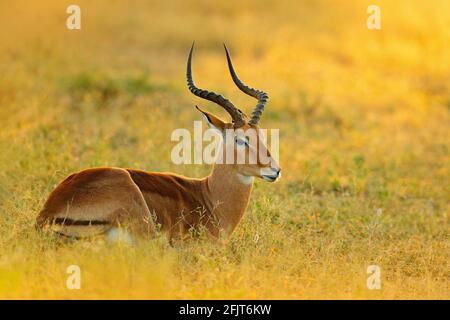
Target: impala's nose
<point>277,172</point>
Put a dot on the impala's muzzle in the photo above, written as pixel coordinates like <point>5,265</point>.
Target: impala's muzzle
<point>271,174</point>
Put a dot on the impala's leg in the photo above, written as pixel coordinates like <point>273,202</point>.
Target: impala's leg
<point>137,218</point>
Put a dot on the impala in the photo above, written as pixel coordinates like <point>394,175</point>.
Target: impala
<point>103,200</point>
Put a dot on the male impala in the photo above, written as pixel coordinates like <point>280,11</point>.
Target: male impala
<point>99,200</point>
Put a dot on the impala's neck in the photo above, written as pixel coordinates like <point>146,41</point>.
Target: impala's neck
<point>227,195</point>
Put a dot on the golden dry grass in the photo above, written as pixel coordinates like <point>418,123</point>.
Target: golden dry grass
<point>364,123</point>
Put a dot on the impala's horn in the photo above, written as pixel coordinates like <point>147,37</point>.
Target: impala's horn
<point>255,93</point>
<point>235,113</point>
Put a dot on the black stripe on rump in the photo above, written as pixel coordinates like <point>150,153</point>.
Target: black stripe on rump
<point>70,222</point>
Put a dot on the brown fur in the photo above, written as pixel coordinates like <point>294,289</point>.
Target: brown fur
<point>108,197</point>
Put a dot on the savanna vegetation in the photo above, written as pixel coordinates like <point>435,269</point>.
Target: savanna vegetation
<point>364,128</point>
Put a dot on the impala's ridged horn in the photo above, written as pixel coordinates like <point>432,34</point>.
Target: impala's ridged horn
<point>258,94</point>
<point>235,113</point>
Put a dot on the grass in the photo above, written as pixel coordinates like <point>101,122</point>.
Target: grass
<point>363,118</point>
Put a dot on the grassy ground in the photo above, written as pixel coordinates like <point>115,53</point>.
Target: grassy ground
<point>364,129</point>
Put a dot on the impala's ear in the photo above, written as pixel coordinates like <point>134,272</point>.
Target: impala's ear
<point>212,121</point>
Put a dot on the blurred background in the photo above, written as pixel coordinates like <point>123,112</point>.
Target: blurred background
<point>364,128</point>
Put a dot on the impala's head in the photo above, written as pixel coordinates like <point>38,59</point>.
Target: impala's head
<point>243,142</point>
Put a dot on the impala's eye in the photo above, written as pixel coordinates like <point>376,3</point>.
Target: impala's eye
<point>241,142</point>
